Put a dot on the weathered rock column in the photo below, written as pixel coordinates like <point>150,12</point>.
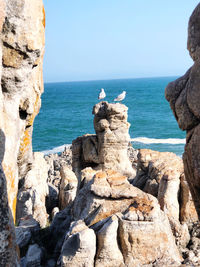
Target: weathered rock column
<point>21,53</point>
<point>108,149</point>
<point>184,97</point>
<point>22,85</point>
<point>111,126</point>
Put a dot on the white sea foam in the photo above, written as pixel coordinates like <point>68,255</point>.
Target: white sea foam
<point>57,149</point>
<point>145,140</point>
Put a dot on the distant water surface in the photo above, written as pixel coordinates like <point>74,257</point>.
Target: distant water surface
<point>66,113</point>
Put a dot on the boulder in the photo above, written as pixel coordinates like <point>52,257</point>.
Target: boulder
<point>68,187</point>
<point>32,195</point>
<point>145,236</point>
<point>79,247</point>
<point>34,256</point>
<point>107,193</point>
<point>108,252</point>
<point>183,95</point>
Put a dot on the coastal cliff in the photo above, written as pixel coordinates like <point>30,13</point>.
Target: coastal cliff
<point>21,50</point>
<point>183,95</point>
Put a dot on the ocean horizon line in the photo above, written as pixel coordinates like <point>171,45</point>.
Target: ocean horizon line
<point>113,79</point>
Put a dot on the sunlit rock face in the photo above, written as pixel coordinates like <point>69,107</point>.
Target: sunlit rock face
<point>184,97</point>
<point>108,149</point>
<point>21,51</point>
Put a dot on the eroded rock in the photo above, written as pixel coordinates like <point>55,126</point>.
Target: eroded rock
<point>79,247</point>
<point>32,195</point>
<point>108,149</point>
<point>68,187</point>
<point>183,96</point>
<point>107,193</point>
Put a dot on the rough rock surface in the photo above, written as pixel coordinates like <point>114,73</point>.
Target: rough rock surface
<point>55,162</point>
<point>125,221</point>
<point>108,252</point>
<point>145,236</point>
<point>21,53</point>
<point>79,247</point>
<point>109,147</point>
<point>32,195</point>
<point>107,193</point>
<point>162,175</point>
<point>8,253</point>
<point>183,95</point>
<point>68,187</point>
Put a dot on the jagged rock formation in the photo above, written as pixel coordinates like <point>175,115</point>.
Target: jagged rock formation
<point>108,149</point>
<point>21,53</point>
<point>161,174</point>
<point>105,220</point>
<point>183,95</point>
<point>123,221</point>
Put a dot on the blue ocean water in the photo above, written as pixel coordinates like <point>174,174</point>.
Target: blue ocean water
<point>66,113</point>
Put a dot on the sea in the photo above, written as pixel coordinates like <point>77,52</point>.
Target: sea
<point>66,113</point>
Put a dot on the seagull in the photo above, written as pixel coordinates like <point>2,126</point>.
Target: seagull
<point>102,94</point>
<point>121,96</point>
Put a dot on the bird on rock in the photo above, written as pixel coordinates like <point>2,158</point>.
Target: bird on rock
<point>102,94</point>
<point>121,96</point>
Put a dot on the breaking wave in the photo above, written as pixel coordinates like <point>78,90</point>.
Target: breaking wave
<point>145,140</point>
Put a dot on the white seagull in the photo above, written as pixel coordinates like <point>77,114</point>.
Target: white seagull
<point>121,96</point>
<point>102,94</point>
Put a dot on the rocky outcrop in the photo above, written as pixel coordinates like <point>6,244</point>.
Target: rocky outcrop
<point>21,53</point>
<point>109,147</point>
<point>161,174</point>
<point>32,195</point>
<point>22,85</point>
<point>183,95</point>
<point>124,221</point>
<point>68,187</point>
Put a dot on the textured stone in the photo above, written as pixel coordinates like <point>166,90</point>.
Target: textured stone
<point>21,54</point>
<point>188,212</point>
<point>183,95</point>
<point>32,195</point>
<point>111,126</point>
<point>22,84</point>
<point>68,187</point>
<point>107,193</point>
<point>23,236</point>
<point>79,247</point>
<point>8,254</point>
<point>145,236</point>
<point>161,174</point>
<point>34,256</point>
<point>108,149</point>
<point>108,252</point>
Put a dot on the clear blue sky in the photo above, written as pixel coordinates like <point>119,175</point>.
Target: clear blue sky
<point>111,39</point>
